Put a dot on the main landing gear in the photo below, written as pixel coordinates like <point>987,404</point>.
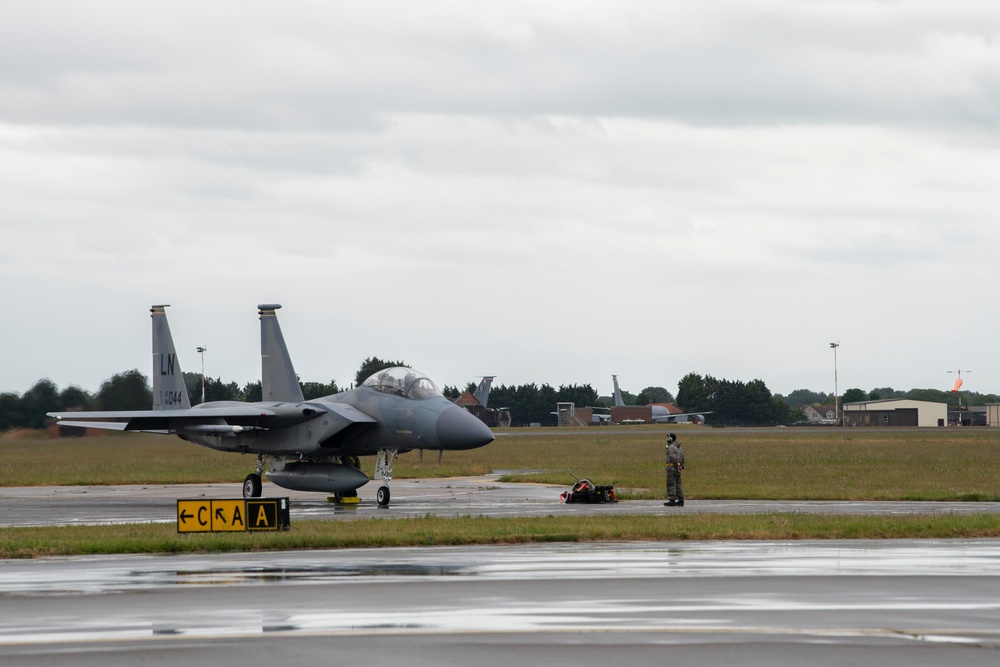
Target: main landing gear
<point>383,469</point>
<point>252,484</point>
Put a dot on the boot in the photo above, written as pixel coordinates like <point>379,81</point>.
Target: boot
<point>680,503</point>
<point>670,503</point>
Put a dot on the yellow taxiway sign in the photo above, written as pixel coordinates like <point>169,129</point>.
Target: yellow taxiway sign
<point>213,516</point>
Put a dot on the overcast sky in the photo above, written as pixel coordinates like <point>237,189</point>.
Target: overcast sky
<point>547,192</point>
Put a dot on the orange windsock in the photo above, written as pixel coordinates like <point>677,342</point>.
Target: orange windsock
<point>958,384</point>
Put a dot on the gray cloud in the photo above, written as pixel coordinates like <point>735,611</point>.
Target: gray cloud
<point>547,192</point>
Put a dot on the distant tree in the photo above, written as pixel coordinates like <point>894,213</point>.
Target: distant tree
<point>527,403</point>
<point>692,393</point>
<point>795,414</point>
<point>373,365</point>
<point>886,392</point>
<point>217,390</point>
<point>854,396</point>
<point>41,398</point>
<point>311,390</point>
<point>451,392</point>
<point>125,391</point>
<point>933,395</point>
<point>10,411</point>
<point>253,392</point>
<point>579,395</point>
<point>651,395</point>
<point>807,397</point>
<point>732,402</point>
<point>192,382</point>
<point>73,397</point>
<point>873,395</point>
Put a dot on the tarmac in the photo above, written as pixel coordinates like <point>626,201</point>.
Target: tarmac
<point>899,603</point>
<point>462,496</point>
<point>895,603</point>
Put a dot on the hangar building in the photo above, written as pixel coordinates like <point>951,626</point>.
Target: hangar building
<point>895,412</point>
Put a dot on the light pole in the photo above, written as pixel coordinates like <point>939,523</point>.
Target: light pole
<point>201,350</point>
<point>836,390</point>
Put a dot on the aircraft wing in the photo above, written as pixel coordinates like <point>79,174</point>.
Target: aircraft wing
<point>223,420</point>
<point>162,421</point>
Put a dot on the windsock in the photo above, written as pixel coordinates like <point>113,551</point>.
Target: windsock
<point>958,384</point>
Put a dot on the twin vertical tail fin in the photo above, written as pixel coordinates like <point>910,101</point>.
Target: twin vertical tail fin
<point>169,390</point>
<point>277,377</point>
<point>482,392</point>
<point>618,394</point>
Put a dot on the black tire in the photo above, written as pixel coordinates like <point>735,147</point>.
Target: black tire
<point>252,486</point>
<point>382,496</point>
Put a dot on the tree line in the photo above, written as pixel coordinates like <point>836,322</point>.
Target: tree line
<point>731,402</point>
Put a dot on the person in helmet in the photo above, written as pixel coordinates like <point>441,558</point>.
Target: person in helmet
<point>675,464</point>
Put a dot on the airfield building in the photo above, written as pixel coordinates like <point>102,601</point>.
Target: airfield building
<point>993,414</point>
<point>895,412</point>
<point>492,417</point>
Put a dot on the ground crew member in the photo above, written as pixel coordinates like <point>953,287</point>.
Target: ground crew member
<point>675,464</point>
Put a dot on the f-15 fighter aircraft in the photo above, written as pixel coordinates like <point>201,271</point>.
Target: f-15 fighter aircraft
<point>310,445</point>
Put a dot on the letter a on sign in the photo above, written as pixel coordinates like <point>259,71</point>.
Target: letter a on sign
<point>261,517</point>
<point>262,514</point>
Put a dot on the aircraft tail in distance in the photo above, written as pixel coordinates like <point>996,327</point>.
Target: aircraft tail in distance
<point>482,392</point>
<point>278,380</point>
<point>169,390</point>
<point>618,394</point>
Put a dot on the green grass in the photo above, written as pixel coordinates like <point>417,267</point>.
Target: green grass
<point>788,464</point>
<point>434,531</point>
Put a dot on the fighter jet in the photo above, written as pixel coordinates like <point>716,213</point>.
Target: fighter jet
<point>309,445</point>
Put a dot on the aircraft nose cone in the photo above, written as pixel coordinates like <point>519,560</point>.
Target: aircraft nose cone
<point>457,429</point>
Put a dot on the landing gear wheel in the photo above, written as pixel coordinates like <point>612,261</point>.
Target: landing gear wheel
<point>252,486</point>
<point>382,496</point>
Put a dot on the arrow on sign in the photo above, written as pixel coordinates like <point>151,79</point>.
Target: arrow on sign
<point>220,515</point>
<point>185,516</point>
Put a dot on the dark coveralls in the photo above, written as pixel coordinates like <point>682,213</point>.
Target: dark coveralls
<point>675,463</point>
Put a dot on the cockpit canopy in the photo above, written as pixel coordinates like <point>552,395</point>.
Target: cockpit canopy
<point>403,381</point>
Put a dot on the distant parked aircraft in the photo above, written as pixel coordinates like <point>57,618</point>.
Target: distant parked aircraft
<point>660,412</point>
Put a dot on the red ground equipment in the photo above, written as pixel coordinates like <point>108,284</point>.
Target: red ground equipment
<point>585,491</point>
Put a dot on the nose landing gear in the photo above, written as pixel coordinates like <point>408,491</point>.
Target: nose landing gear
<point>252,485</point>
<point>383,469</point>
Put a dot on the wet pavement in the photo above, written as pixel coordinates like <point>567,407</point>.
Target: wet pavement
<point>892,603</point>
<point>465,496</point>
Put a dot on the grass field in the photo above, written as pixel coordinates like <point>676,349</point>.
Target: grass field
<point>783,464</point>
<point>780,464</point>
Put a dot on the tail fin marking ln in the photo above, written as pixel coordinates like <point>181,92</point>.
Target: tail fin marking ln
<point>169,391</point>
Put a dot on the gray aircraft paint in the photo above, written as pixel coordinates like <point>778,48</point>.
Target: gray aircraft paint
<point>618,394</point>
<point>277,376</point>
<point>169,391</point>
<point>482,392</point>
